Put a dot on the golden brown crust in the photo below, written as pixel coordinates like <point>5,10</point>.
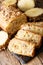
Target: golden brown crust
<point>11,19</point>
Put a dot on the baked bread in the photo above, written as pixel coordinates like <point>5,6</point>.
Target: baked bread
<point>35,14</point>
<point>4,39</point>
<point>29,36</point>
<point>37,23</point>
<point>11,19</point>
<point>34,28</point>
<point>21,47</point>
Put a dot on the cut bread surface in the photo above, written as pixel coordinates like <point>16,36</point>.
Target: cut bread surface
<point>33,28</point>
<point>38,23</point>
<point>21,47</point>
<point>29,36</point>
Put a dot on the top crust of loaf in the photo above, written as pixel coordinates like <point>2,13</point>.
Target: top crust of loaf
<point>10,17</point>
<point>9,13</point>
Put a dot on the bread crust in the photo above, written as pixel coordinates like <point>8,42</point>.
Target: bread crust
<point>11,19</point>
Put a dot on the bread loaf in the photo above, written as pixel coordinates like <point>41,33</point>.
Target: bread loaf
<point>11,19</point>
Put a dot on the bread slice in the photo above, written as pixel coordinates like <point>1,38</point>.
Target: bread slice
<point>3,40</point>
<point>35,14</point>
<point>21,47</point>
<point>11,19</point>
<point>34,28</point>
<point>37,23</point>
<point>29,36</point>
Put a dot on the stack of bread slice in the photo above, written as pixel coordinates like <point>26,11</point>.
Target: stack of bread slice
<point>27,39</point>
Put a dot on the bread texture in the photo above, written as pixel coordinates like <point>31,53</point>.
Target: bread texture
<point>4,39</point>
<point>21,47</point>
<point>34,28</point>
<point>11,19</point>
<point>37,23</point>
<point>29,36</point>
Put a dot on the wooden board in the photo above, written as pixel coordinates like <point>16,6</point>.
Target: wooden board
<point>6,58</point>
